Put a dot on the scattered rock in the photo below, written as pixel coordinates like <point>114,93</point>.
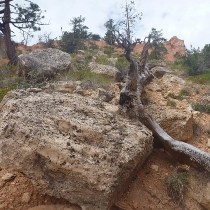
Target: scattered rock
<point>169,80</point>
<point>179,125</point>
<point>159,71</point>
<point>106,70</point>
<point>200,185</point>
<point>26,197</point>
<point>3,206</point>
<point>43,63</point>
<point>35,90</point>
<point>54,207</point>
<point>206,98</point>
<point>154,87</point>
<point>105,96</point>
<point>79,58</point>
<point>208,142</point>
<point>8,176</point>
<point>112,108</point>
<point>70,146</point>
<point>154,167</point>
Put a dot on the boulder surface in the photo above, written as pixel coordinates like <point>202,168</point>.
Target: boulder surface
<point>106,70</point>
<point>70,146</point>
<point>43,63</point>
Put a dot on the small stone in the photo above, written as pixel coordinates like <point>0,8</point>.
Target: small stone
<point>26,197</point>
<point>8,176</point>
<point>208,143</point>
<point>154,167</point>
<point>2,206</point>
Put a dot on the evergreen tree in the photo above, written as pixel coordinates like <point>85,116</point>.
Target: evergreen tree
<point>159,51</point>
<point>206,55</point>
<point>109,36</point>
<point>74,40</point>
<point>26,19</point>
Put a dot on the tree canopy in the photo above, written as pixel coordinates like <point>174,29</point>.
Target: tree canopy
<point>109,37</point>
<point>26,19</point>
<point>74,40</point>
<point>158,49</point>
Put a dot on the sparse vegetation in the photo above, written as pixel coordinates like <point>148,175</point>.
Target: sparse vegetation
<point>158,49</point>
<point>87,76</point>
<point>171,103</point>
<point>176,184</point>
<point>178,97</point>
<point>108,50</point>
<point>201,79</point>
<point>103,60</point>
<point>4,91</point>
<point>201,107</point>
<point>183,92</point>
<point>122,64</point>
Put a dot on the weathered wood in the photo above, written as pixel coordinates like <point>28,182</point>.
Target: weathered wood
<point>138,74</point>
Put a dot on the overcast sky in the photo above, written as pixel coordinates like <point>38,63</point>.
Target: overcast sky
<point>186,19</point>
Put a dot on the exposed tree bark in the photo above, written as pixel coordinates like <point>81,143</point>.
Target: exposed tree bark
<point>139,74</point>
<point>10,48</point>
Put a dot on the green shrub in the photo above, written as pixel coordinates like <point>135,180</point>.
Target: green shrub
<point>108,50</point>
<point>4,91</point>
<point>171,103</point>
<point>174,65</point>
<point>86,75</point>
<point>184,92</point>
<point>103,60</point>
<point>201,107</point>
<point>122,64</point>
<point>175,185</point>
<point>178,97</point>
<point>201,79</point>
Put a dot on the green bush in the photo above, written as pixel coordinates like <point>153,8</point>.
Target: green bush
<point>175,185</point>
<point>178,97</point>
<point>171,103</point>
<point>201,79</point>
<point>184,92</point>
<point>201,107</point>
<point>103,60</point>
<point>108,50</point>
<point>4,91</point>
<point>175,65</point>
<point>86,75</point>
<point>122,64</point>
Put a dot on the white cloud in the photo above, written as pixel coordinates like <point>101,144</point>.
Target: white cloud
<point>186,19</point>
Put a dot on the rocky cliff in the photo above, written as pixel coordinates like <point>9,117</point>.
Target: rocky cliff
<point>174,45</point>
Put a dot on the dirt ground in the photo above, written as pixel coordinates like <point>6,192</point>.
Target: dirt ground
<point>146,192</point>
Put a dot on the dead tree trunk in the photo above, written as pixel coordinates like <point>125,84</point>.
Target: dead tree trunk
<point>140,75</point>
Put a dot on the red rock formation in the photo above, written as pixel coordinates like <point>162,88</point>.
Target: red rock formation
<point>173,46</point>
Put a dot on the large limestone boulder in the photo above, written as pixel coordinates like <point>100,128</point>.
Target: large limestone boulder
<point>43,63</point>
<point>178,124</point>
<point>200,185</point>
<point>106,70</point>
<point>177,121</point>
<point>159,71</point>
<point>71,146</point>
<point>54,207</point>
